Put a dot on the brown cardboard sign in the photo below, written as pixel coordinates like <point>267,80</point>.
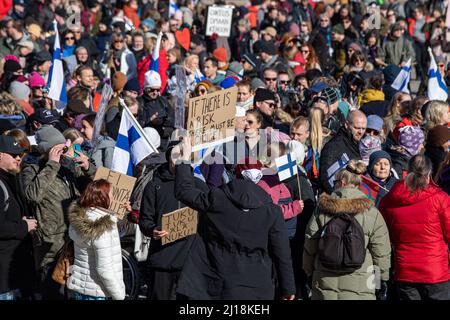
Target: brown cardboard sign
<point>211,118</point>
<point>122,186</point>
<point>179,224</point>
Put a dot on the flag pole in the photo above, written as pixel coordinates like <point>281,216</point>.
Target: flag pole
<point>138,126</point>
<point>298,185</point>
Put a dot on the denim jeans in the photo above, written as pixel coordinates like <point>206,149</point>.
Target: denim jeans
<point>80,296</point>
<point>10,295</point>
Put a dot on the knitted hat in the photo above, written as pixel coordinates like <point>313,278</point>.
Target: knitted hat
<point>221,54</point>
<point>43,56</point>
<point>251,59</point>
<point>26,43</point>
<point>19,90</point>
<point>374,122</point>
<point>229,82</point>
<point>35,80</point>
<point>118,80</point>
<point>47,137</point>
<point>257,83</point>
<point>438,136</point>
<point>339,29</point>
<point>235,69</point>
<point>375,156</point>
<point>153,136</point>
<point>247,163</point>
<point>330,94</point>
<point>206,83</point>
<point>152,79</point>
<point>132,85</point>
<point>263,94</point>
<point>411,138</point>
<point>355,46</point>
<point>11,66</point>
<point>268,47</point>
<point>367,146</point>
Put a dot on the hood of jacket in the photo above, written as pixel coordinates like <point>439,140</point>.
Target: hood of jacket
<point>105,142</point>
<point>402,196</point>
<point>86,226</point>
<point>345,200</point>
<point>371,95</point>
<point>245,194</point>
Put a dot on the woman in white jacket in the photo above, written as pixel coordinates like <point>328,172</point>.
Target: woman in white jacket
<point>97,272</point>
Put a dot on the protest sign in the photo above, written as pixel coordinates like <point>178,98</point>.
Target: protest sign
<point>211,118</point>
<point>122,186</point>
<point>219,20</point>
<point>179,224</point>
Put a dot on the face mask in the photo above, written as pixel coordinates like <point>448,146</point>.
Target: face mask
<point>253,175</point>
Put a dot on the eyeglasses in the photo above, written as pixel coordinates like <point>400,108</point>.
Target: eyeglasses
<point>202,91</point>
<point>69,38</point>
<point>270,79</point>
<point>441,65</point>
<point>284,81</point>
<point>152,90</point>
<point>324,20</point>
<point>272,105</point>
<point>38,88</point>
<point>118,41</point>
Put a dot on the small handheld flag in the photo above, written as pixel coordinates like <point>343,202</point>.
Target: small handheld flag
<point>286,166</point>
<point>401,82</point>
<point>437,90</point>
<point>370,188</point>
<point>56,81</point>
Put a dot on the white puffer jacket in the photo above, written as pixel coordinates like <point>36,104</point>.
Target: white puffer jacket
<point>97,269</point>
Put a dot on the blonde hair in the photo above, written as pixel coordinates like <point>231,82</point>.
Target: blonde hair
<point>190,60</point>
<point>352,173</point>
<point>435,113</point>
<point>72,134</point>
<point>283,116</point>
<point>316,116</point>
<point>10,107</point>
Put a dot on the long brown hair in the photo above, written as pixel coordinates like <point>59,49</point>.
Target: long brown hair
<point>419,172</point>
<point>312,58</point>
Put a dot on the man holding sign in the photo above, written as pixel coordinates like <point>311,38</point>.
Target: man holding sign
<point>166,256</point>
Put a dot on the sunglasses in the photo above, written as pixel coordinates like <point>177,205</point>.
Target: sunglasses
<point>152,90</point>
<point>202,91</point>
<point>69,38</point>
<point>372,132</point>
<point>271,105</point>
<point>38,87</point>
<point>284,81</point>
<point>270,79</point>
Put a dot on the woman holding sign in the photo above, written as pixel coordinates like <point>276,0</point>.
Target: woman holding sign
<point>97,271</point>
<point>242,236</point>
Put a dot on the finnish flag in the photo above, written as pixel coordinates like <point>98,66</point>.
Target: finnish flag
<point>199,76</point>
<point>132,145</point>
<point>154,63</point>
<point>56,81</point>
<point>437,90</point>
<point>173,8</point>
<point>286,166</point>
<point>402,80</point>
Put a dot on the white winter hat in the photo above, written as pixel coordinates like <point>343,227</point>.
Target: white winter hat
<point>153,136</point>
<point>298,149</point>
<point>152,79</point>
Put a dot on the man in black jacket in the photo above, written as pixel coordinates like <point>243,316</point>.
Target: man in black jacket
<point>156,112</point>
<point>16,260</point>
<point>342,148</point>
<point>164,262</point>
<point>243,237</point>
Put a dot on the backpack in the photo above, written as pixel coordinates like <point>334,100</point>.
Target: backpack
<point>342,244</point>
<point>5,192</point>
<point>138,191</point>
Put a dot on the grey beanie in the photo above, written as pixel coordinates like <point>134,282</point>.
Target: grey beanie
<point>47,137</point>
<point>257,83</point>
<point>19,90</point>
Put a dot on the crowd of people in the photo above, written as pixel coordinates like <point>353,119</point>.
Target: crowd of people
<point>314,80</point>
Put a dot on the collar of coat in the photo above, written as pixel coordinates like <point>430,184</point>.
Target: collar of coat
<point>336,205</point>
<point>85,226</point>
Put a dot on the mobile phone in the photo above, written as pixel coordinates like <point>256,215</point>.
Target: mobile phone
<point>77,149</point>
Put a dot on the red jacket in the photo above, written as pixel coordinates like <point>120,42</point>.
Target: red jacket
<point>144,65</point>
<point>419,228</point>
<point>5,5</point>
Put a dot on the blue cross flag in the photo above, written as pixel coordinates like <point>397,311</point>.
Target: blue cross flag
<point>286,166</point>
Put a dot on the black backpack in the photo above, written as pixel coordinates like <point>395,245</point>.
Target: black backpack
<point>342,244</point>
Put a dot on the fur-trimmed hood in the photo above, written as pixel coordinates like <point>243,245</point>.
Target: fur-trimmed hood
<point>344,201</point>
<point>85,225</point>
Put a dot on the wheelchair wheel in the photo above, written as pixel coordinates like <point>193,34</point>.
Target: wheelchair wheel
<point>130,276</point>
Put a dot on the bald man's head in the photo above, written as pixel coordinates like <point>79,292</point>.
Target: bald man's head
<point>357,124</point>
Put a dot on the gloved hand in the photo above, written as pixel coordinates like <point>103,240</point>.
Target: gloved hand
<point>381,293</point>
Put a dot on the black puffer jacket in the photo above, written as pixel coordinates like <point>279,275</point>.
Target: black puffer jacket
<point>242,238</point>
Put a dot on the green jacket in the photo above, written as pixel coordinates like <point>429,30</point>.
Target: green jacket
<point>360,285</point>
<point>50,189</point>
<point>395,51</point>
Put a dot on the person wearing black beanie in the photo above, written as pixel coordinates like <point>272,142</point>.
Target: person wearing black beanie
<point>380,170</point>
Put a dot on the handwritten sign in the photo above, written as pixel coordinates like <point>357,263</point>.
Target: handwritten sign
<point>211,118</point>
<point>219,21</point>
<point>179,224</point>
<point>122,186</point>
